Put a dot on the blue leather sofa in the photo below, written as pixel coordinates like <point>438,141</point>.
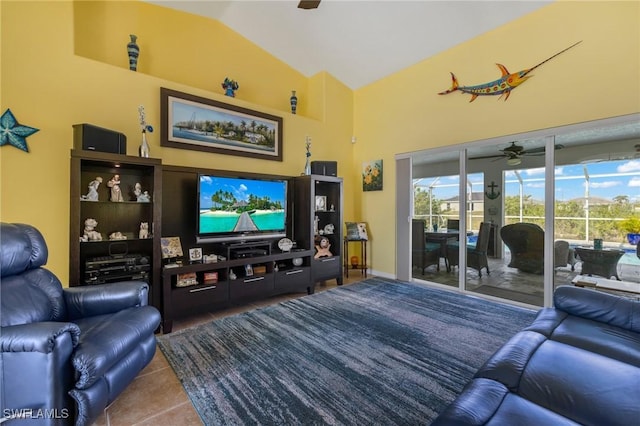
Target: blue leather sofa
<point>578,363</point>
<point>66,352</point>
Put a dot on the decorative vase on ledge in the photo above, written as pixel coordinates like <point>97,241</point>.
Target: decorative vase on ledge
<point>307,166</point>
<point>294,102</point>
<point>134,51</point>
<point>143,150</point>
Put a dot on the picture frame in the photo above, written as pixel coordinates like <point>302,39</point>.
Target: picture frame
<point>171,247</point>
<point>248,270</point>
<point>321,203</point>
<point>195,254</point>
<point>372,175</point>
<point>201,124</point>
<point>356,231</point>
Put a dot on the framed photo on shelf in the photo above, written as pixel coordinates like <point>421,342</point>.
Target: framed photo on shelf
<point>248,270</point>
<point>171,248</point>
<point>195,254</point>
<point>321,203</point>
<point>201,124</point>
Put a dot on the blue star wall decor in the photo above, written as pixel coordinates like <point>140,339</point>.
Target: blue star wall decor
<point>13,133</point>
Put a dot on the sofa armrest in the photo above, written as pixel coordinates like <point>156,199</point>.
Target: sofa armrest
<point>88,301</point>
<point>598,306</point>
<point>36,337</point>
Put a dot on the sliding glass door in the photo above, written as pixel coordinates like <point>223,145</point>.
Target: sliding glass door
<point>549,198</point>
<point>436,216</point>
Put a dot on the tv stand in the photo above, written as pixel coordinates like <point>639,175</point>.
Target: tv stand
<point>236,280</point>
<point>254,268</point>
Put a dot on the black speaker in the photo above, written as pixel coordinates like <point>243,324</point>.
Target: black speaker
<point>327,168</point>
<point>94,138</point>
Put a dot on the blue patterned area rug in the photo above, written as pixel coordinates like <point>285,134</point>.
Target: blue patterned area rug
<point>377,352</point>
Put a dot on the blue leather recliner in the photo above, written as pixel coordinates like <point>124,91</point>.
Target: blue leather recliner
<point>67,353</point>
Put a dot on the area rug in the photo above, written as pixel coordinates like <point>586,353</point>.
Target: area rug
<point>376,352</point>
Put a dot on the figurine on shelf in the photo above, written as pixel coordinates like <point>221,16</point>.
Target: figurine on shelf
<point>117,236</point>
<point>90,233</point>
<point>230,87</point>
<point>144,230</point>
<point>116,193</point>
<point>141,197</point>
<point>145,197</point>
<point>137,190</point>
<point>92,195</point>
<point>322,248</point>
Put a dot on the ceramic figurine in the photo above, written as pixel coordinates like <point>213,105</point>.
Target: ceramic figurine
<point>90,234</point>
<point>144,230</point>
<point>114,184</point>
<point>92,195</point>
<point>322,248</point>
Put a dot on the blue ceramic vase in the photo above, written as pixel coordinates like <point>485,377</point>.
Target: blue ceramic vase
<point>294,102</point>
<point>133,50</point>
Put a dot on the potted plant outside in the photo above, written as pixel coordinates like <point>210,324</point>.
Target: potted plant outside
<point>631,226</point>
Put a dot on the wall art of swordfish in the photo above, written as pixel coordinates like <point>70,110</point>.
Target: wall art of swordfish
<point>502,86</point>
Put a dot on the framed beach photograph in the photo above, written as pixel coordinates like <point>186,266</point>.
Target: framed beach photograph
<point>201,124</point>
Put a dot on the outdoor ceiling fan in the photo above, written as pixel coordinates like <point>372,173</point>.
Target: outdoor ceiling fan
<point>310,4</point>
<point>514,153</point>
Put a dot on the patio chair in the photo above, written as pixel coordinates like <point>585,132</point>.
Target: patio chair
<point>526,244</point>
<point>423,254</point>
<point>476,256</point>
<point>563,255</point>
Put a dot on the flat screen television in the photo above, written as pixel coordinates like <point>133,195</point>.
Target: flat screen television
<point>238,208</point>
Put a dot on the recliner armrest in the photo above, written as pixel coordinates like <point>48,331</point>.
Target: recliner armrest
<point>598,306</point>
<point>36,337</point>
<point>88,301</point>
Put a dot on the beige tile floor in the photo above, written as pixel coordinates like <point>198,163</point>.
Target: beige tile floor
<point>156,395</point>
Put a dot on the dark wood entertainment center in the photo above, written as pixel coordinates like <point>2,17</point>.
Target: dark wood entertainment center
<point>244,270</point>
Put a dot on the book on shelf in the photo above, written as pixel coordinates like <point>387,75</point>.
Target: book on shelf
<point>186,279</point>
<point>210,277</point>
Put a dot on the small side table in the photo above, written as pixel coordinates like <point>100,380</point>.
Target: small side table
<point>362,265</point>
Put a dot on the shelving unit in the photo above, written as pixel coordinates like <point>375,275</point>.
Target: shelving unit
<point>97,262</point>
<point>274,271</point>
<point>318,214</point>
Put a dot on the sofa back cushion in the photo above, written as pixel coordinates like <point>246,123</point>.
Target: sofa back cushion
<point>598,306</point>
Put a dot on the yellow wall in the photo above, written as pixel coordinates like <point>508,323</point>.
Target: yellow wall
<point>56,74</point>
<point>599,78</point>
<point>64,64</point>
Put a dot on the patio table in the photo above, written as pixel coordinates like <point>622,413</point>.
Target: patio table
<point>599,262</point>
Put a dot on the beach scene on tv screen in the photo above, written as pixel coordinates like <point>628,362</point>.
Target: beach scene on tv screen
<point>241,205</point>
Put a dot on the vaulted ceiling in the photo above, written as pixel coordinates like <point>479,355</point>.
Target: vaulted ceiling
<point>362,41</point>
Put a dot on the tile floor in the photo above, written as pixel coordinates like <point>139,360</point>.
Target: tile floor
<point>511,283</point>
<point>156,395</point>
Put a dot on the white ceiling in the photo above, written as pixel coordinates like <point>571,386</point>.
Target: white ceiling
<point>357,41</point>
